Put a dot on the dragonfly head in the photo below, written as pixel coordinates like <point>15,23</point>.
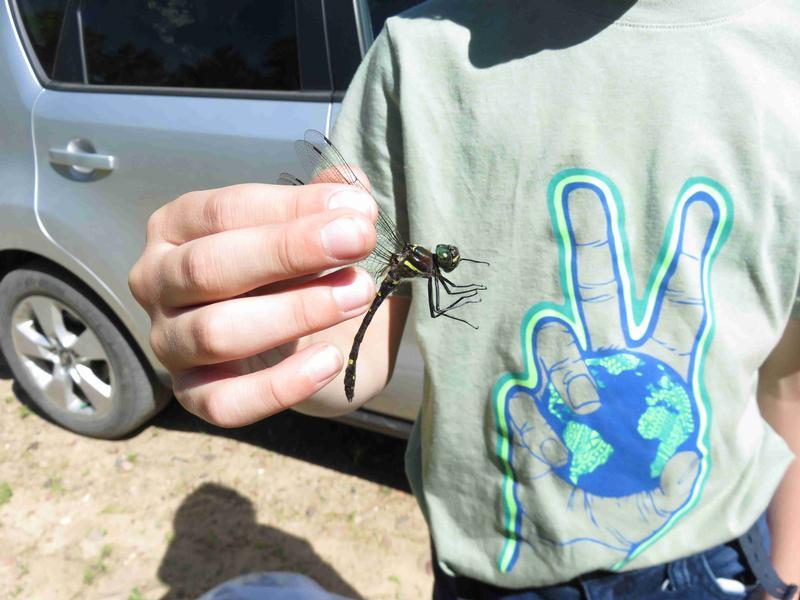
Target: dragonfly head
<point>447,257</point>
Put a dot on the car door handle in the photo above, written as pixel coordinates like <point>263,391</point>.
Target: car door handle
<point>81,160</point>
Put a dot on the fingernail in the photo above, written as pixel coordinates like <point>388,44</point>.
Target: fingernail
<point>359,201</point>
<point>554,452</point>
<point>354,295</point>
<point>344,238</point>
<point>323,364</point>
<point>582,395</point>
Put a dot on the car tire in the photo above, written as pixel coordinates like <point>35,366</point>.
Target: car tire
<point>73,363</point>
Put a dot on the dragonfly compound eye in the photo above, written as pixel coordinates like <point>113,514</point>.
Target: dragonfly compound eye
<point>447,257</point>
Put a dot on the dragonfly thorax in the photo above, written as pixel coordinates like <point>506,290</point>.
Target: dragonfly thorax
<point>418,261</point>
<point>413,261</point>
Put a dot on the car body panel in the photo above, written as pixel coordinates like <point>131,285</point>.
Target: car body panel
<point>16,104</point>
<point>164,146</point>
<point>19,227</point>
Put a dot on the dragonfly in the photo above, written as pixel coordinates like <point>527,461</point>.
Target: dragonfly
<point>393,260</point>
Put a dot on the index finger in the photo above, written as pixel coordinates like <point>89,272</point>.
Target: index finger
<point>596,283</point>
<point>205,212</point>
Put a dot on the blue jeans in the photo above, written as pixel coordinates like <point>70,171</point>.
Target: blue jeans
<point>270,585</point>
<point>692,578</point>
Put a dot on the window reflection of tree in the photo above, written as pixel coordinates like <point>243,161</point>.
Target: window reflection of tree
<point>43,27</point>
<point>125,65</point>
<point>192,43</point>
<point>223,67</point>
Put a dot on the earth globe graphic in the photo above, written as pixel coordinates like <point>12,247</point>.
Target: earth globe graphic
<point>647,415</point>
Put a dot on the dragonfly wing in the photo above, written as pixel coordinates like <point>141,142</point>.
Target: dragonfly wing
<point>374,265</point>
<point>325,164</point>
<point>288,179</point>
<point>388,235</point>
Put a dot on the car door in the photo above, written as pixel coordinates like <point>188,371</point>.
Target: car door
<point>148,100</point>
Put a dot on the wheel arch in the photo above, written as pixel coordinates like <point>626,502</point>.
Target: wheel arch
<point>12,259</point>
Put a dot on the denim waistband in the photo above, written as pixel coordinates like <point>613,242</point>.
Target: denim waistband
<point>700,572</point>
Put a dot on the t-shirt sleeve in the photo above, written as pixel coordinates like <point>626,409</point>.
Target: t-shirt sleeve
<point>369,133</point>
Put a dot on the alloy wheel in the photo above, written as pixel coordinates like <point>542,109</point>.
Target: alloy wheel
<point>63,355</point>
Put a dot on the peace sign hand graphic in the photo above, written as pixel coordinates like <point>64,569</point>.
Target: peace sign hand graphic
<point>610,415</point>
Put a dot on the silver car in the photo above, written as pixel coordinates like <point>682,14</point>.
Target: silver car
<point>109,110</point>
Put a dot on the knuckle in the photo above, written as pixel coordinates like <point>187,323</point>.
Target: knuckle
<point>304,315</point>
<point>319,308</point>
<point>136,283</point>
<point>158,343</point>
<point>209,408</point>
<point>197,269</point>
<point>285,253</point>
<point>280,396</point>
<point>308,199</point>
<point>216,210</point>
<point>214,408</point>
<point>298,198</point>
<point>186,399</point>
<point>144,281</point>
<point>155,223</point>
<point>209,332</point>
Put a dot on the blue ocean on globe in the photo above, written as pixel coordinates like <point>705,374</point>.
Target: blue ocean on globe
<point>647,415</point>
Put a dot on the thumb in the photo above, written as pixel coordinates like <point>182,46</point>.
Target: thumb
<point>565,368</point>
<point>540,450</point>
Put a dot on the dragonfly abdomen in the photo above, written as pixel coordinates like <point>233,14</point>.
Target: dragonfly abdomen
<point>388,285</point>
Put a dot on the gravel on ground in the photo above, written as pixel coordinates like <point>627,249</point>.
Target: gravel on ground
<point>181,506</point>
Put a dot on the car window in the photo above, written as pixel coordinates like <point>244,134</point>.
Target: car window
<point>380,10</point>
<point>42,21</point>
<point>353,32</point>
<point>236,44</point>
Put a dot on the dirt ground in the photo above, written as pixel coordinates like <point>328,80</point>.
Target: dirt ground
<point>182,506</point>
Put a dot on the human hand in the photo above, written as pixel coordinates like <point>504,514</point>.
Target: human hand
<point>610,416</point>
<point>229,279</point>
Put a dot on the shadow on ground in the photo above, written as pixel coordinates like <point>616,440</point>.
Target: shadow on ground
<point>330,444</point>
<point>216,538</point>
<point>372,456</point>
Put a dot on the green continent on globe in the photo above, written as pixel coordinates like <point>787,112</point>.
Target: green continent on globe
<point>668,420</point>
<point>617,363</point>
<point>589,450</point>
<point>556,405</point>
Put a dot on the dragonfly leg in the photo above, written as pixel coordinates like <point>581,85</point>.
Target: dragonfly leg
<point>466,292</point>
<point>449,284</point>
<point>463,297</point>
<point>434,298</point>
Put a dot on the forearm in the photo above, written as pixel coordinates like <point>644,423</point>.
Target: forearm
<point>779,401</point>
<point>783,515</point>
<point>375,360</point>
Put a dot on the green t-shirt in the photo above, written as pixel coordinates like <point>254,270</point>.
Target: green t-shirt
<point>630,175</point>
